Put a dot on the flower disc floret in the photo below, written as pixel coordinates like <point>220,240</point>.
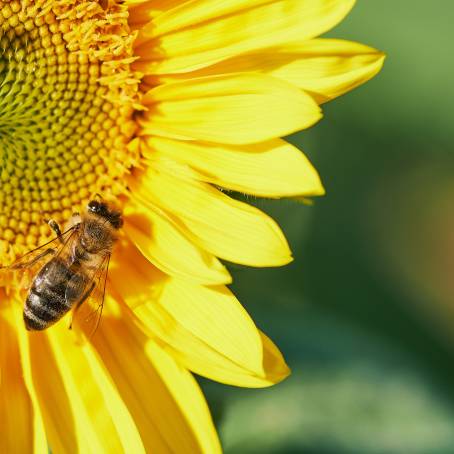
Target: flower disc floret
<point>65,121</point>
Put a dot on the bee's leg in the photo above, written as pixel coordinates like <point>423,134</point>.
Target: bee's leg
<point>34,259</point>
<point>75,219</point>
<point>56,228</point>
<point>79,303</point>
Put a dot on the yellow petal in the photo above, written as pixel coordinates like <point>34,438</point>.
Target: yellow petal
<point>143,11</point>
<point>133,277</point>
<point>234,109</point>
<point>326,68</point>
<point>167,405</point>
<point>164,245</point>
<point>273,361</point>
<point>229,229</point>
<point>184,14</point>
<point>202,33</point>
<point>66,386</point>
<point>20,420</point>
<point>271,169</point>
<point>54,401</point>
<point>104,409</point>
<point>209,332</point>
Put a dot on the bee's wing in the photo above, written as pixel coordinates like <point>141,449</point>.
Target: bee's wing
<point>92,288</point>
<point>26,266</point>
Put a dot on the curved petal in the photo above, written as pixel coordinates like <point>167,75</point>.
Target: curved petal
<point>163,244</point>
<point>66,385</point>
<point>223,226</point>
<point>201,33</point>
<point>20,419</point>
<point>187,13</point>
<point>234,109</point>
<point>270,169</point>
<point>53,398</point>
<point>144,11</point>
<point>164,399</point>
<point>108,413</point>
<point>209,332</point>
<point>133,277</point>
<point>326,68</point>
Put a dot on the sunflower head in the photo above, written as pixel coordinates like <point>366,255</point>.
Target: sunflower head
<point>162,107</point>
<point>67,97</point>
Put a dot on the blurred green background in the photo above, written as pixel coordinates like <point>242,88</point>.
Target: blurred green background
<point>365,314</point>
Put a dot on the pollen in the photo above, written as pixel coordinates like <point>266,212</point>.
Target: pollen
<point>65,118</point>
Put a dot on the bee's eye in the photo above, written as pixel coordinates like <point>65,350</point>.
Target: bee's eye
<point>93,205</point>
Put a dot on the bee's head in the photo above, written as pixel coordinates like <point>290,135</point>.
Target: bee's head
<point>102,209</point>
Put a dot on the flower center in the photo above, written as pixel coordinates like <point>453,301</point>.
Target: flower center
<point>66,112</point>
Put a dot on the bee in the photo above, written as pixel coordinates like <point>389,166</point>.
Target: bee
<point>71,268</point>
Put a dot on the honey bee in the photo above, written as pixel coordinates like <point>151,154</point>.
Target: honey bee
<point>71,268</point>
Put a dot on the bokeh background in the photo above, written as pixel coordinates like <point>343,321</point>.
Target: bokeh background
<point>365,313</point>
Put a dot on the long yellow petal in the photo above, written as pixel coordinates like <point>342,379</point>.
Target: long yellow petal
<point>20,420</point>
<point>61,432</point>
<point>209,332</point>
<point>133,277</point>
<point>229,229</point>
<point>202,33</point>
<point>185,14</point>
<point>270,169</point>
<point>41,442</point>
<point>167,405</point>
<point>164,245</point>
<point>234,109</point>
<point>68,383</point>
<point>326,68</point>
<point>105,410</point>
<point>143,11</point>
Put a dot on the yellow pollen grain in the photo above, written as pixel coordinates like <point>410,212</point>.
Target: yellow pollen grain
<point>63,129</point>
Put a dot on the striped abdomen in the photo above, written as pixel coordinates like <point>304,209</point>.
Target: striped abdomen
<point>50,296</point>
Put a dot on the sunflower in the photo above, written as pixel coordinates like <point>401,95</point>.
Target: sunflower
<point>161,106</point>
